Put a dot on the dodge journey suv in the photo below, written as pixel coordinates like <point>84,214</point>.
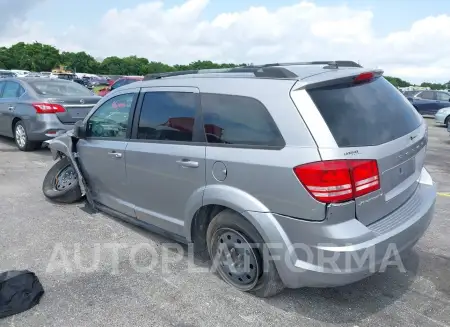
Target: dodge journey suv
<point>285,175</point>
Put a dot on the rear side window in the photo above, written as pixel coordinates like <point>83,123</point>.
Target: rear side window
<point>238,120</point>
<point>11,90</point>
<point>442,96</point>
<point>428,95</point>
<point>364,115</point>
<point>21,91</point>
<point>167,116</point>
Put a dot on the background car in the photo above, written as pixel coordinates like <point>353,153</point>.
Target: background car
<point>20,72</point>
<point>33,110</point>
<point>442,117</point>
<point>99,81</point>
<point>7,73</point>
<point>410,93</point>
<point>34,74</point>
<point>120,82</point>
<point>430,101</point>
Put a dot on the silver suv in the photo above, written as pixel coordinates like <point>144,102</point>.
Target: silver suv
<point>287,175</point>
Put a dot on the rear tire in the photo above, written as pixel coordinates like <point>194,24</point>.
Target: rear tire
<point>21,138</point>
<point>228,225</point>
<point>61,183</point>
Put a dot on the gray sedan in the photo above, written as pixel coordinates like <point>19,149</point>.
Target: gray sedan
<point>33,110</point>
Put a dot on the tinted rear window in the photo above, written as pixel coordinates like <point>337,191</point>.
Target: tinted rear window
<point>51,88</point>
<point>238,120</point>
<point>368,114</point>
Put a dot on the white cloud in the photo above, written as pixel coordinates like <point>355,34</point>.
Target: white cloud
<point>304,31</point>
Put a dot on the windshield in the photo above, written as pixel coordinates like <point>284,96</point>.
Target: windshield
<point>363,115</point>
<point>59,88</point>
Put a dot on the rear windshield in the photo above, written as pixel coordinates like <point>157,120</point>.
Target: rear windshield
<point>59,88</point>
<point>368,114</point>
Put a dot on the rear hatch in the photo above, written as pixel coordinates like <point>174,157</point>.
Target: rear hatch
<point>76,108</point>
<point>368,118</point>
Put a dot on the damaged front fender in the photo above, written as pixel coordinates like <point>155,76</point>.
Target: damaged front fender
<point>65,145</point>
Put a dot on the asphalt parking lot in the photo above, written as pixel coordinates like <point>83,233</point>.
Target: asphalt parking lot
<point>32,230</point>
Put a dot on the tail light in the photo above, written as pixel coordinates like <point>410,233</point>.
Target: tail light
<point>48,108</point>
<point>335,181</point>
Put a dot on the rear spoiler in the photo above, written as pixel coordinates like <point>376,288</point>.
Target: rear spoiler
<point>343,77</point>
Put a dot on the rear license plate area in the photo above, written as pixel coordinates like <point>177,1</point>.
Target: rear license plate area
<point>395,176</point>
<point>78,113</point>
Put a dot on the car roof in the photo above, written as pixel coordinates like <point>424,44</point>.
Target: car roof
<point>306,73</point>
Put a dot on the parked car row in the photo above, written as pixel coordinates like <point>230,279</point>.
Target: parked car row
<point>428,102</point>
<point>266,174</point>
<point>118,83</point>
<point>33,110</point>
<point>7,73</point>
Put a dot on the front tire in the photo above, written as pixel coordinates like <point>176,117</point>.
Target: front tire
<point>238,255</point>
<point>61,183</point>
<point>21,138</point>
<point>447,121</point>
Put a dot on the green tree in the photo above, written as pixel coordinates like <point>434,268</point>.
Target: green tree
<point>4,58</point>
<point>80,62</point>
<point>397,82</point>
<point>35,56</point>
<point>43,57</point>
<point>434,86</point>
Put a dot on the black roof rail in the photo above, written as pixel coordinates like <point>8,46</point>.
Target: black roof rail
<point>258,71</point>
<point>331,63</point>
<point>275,70</point>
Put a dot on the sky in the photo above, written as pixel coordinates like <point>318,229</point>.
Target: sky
<point>406,38</point>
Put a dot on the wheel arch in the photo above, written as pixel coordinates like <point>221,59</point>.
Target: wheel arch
<point>13,124</point>
<point>217,198</point>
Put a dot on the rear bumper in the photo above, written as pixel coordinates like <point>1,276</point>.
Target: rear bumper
<point>45,127</point>
<point>322,254</point>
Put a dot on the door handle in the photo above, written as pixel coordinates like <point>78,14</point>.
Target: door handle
<point>10,108</point>
<point>187,163</point>
<point>115,154</point>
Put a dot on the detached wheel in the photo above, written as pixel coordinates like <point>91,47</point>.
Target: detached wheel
<point>237,252</point>
<point>61,183</point>
<point>21,138</point>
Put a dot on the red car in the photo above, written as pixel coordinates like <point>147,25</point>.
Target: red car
<point>118,83</point>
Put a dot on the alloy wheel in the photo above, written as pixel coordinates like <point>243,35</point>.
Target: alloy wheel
<point>21,136</point>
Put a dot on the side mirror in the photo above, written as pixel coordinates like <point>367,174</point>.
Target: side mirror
<point>79,130</point>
